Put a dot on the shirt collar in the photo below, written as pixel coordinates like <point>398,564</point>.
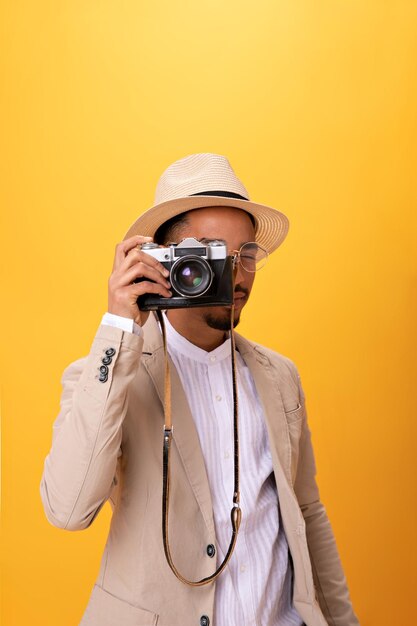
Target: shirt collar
<point>180,344</point>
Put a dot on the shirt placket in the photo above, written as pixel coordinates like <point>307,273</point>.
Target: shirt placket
<point>223,454</point>
<point>239,565</point>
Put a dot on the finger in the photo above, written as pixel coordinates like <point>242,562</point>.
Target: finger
<point>145,286</point>
<point>142,270</point>
<point>135,255</point>
<point>123,248</point>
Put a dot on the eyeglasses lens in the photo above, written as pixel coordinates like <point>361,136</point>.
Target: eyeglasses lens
<point>252,257</point>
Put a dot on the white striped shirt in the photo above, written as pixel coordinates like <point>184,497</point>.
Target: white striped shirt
<point>256,587</point>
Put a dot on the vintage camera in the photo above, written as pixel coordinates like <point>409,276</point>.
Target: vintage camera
<point>201,274</point>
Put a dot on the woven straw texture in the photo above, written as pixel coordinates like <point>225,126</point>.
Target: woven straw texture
<point>207,172</point>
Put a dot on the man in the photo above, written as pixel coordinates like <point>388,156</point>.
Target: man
<point>107,441</point>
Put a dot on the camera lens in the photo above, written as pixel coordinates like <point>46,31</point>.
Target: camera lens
<point>191,276</point>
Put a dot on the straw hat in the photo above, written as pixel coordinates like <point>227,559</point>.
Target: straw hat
<point>207,180</point>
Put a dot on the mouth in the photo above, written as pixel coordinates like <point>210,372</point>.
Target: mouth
<point>239,297</point>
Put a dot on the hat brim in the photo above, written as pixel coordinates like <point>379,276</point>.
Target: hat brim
<point>270,230</point>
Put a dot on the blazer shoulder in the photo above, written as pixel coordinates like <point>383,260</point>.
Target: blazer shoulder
<point>278,361</point>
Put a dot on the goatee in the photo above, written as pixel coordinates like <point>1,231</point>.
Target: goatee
<point>220,322</point>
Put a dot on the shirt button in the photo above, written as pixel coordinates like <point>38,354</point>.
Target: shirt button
<point>226,455</point>
<point>218,398</point>
<point>212,359</point>
<point>242,568</point>
<point>211,550</point>
<point>204,621</point>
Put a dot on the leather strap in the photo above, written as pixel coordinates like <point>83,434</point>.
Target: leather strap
<point>235,513</point>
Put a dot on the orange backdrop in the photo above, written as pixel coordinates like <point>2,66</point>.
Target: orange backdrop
<point>314,103</point>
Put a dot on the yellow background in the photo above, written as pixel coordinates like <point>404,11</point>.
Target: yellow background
<point>314,103</point>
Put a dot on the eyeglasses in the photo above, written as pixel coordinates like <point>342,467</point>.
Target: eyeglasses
<point>251,256</point>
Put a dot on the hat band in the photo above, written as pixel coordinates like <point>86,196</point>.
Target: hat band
<point>226,194</point>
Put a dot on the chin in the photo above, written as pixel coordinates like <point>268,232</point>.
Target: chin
<point>220,318</point>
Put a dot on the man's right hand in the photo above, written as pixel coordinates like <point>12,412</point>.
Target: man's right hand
<point>131,263</point>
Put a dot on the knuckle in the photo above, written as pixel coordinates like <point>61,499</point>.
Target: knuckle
<point>112,282</point>
<point>150,259</point>
<point>143,286</point>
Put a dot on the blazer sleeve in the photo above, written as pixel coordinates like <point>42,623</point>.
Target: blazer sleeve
<point>80,470</point>
<point>329,579</point>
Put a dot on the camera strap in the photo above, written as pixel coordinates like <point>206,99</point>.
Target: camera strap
<point>235,513</point>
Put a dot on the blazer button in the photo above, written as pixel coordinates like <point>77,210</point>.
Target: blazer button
<point>104,369</point>
<point>204,621</point>
<point>102,378</point>
<point>106,360</point>
<point>110,351</point>
<point>211,550</point>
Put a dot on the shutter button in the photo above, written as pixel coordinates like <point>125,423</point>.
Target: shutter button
<point>211,550</point>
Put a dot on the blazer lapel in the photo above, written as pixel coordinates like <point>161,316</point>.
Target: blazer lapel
<point>185,436</point>
<point>267,382</point>
<point>267,386</point>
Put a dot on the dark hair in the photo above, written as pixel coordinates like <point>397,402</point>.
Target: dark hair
<point>169,231</point>
<point>252,219</point>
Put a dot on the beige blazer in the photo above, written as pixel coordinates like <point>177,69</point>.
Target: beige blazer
<point>107,444</point>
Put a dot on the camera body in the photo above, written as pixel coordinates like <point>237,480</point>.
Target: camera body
<point>201,274</point>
